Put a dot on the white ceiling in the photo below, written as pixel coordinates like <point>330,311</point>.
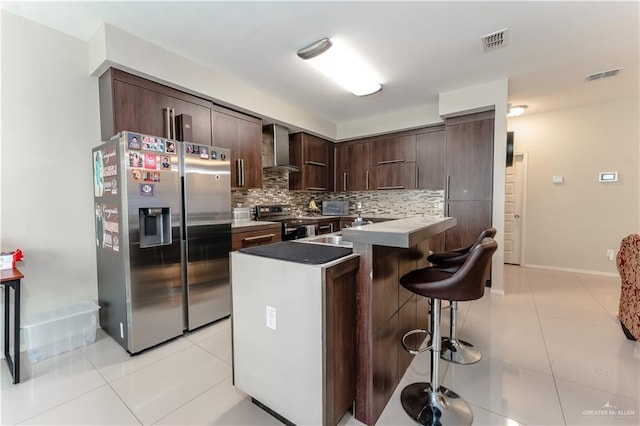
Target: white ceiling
<point>419,48</point>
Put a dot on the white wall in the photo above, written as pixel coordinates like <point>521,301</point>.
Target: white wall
<point>570,226</point>
<point>49,125</point>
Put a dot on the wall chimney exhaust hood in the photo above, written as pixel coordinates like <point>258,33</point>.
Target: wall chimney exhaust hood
<point>275,148</point>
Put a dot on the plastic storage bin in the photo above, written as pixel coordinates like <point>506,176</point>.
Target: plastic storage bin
<point>54,332</point>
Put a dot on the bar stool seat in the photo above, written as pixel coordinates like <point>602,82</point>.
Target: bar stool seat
<point>457,350</point>
<point>430,403</point>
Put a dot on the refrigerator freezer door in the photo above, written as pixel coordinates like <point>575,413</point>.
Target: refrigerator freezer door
<point>207,212</point>
<point>155,284</point>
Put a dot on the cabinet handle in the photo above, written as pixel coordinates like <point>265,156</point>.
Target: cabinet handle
<point>391,187</point>
<point>448,186</point>
<point>325,227</point>
<point>344,181</point>
<point>315,163</point>
<point>417,177</point>
<point>167,123</point>
<point>242,172</point>
<point>367,179</point>
<point>173,123</point>
<point>239,168</point>
<point>313,188</point>
<point>259,237</point>
<point>331,227</point>
<point>391,161</point>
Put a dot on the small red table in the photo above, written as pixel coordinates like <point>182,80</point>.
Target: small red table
<point>10,278</point>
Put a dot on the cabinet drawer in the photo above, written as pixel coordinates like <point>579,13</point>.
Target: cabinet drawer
<point>255,238</point>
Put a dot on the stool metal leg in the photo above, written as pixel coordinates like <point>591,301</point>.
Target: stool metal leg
<point>456,350</point>
<point>439,407</point>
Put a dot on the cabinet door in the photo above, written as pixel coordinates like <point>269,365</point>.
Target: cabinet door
<point>200,119</point>
<point>395,176</point>
<point>311,155</point>
<point>472,218</point>
<point>470,160</point>
<point>137,109</point>
<point>244,139</point>
<point>401,149</point>
<point>430,160</point>
<point>352,167</point>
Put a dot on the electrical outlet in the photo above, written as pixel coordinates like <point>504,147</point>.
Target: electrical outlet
<point>610,254</point>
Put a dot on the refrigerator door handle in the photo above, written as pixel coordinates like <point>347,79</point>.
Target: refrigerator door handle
<point>167,123</point>
<point>173,124</point>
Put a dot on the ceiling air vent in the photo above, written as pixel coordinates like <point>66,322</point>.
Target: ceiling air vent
<point>495,40</point>
<point>603,74</point>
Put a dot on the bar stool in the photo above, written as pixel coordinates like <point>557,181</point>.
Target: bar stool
<point>430,403</point>
<point>453,349</point>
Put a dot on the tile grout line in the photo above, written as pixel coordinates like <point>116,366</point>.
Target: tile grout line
<point>546,349</point>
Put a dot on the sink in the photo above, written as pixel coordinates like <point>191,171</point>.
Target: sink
<point>333,240</point>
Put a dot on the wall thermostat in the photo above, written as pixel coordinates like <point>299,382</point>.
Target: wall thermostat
<point>608,176</point>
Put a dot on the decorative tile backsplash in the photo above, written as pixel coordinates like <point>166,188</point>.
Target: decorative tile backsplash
<point>276,191</point>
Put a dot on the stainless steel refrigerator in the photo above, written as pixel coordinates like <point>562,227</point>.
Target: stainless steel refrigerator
<point>163,236</point>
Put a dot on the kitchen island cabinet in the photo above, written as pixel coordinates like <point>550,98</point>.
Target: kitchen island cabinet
<point>294,335</point>
<point>385,310</point>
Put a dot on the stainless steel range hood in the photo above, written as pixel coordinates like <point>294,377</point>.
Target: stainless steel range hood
<point>275,148</point>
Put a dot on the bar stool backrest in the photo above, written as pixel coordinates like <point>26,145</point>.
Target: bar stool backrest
<point>467,283</point>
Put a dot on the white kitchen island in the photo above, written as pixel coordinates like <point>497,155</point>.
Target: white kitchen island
<point>294,334</point>
<point>309,340</point>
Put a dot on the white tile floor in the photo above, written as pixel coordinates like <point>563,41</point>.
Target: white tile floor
<point>553,354</point>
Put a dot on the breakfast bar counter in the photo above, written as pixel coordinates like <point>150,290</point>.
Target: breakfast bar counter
<point>384,309</point>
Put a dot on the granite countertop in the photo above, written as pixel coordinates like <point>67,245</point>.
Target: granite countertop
<point>400,232</point>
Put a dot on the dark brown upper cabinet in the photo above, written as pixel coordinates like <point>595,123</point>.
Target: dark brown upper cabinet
<point>352,167</point>
<point>132,103</point>
<point>430,160</point>
<point>392,162</point>
<point>311,155</point>
<point>469,158</point>
<point>242,135</point>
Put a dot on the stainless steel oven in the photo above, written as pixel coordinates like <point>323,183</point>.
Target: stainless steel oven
<point>292,227</point>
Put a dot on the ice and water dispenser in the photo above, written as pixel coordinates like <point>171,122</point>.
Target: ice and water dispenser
<point>155,226</point>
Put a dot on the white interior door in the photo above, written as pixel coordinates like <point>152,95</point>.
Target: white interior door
<point>513,211</point>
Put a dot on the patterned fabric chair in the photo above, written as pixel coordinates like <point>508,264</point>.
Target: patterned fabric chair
<point>628,262</point>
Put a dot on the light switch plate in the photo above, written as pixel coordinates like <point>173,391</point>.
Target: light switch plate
<point>271,317</point>
<point>558,179</point>
<point>608,177</point>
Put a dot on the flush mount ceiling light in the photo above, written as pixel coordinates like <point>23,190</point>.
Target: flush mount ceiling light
<point>514,111</point>
<point>342,65</point>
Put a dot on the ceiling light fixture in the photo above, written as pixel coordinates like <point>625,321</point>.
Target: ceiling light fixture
<point>338,62</point>
<point>514,111</point>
